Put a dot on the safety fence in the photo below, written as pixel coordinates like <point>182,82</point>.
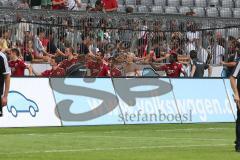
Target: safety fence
<point>116,33</point>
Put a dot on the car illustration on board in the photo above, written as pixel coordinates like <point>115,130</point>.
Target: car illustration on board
<point>18,103</point>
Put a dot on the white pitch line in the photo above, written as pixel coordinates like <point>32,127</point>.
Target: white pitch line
<point>116,148</point>
<point>184,129</point>
<point>158,130</point>
<point>140,138</point>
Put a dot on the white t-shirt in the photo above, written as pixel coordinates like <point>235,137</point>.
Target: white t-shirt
<point>72,5</point>
<point>192,35</point>
<point>220,51</point>
<point>189,47</point>
<point>202,54</point>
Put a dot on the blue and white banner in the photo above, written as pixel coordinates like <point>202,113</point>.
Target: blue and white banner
<point>206,98</point>
<point>86,101</point>
<point>30,104</point>
<point>105,101</point>
<point>147,101</point>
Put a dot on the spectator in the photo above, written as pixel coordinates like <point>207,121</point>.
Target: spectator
<point>28,52</point>
<point>73,5</point>
<point>129,9</point>
<point>4,40</point>
<point>217,50</point>
<point>46,4</point>
<point>110,5</point>
<point>84,46</point>
<point>36,4</point>
<point>58,4</point>
<point>17,65</point>
<point>23,4</point>
<point>193,38</point>
<point>52,49</point>
<point>38,46</point>
<point>98,6</point>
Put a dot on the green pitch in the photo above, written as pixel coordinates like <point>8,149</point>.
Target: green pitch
<point>131,142</point>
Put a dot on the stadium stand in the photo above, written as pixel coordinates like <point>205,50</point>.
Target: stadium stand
<point>148,33</point>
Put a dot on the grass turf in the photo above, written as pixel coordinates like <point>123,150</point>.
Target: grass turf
<point>130,142</point>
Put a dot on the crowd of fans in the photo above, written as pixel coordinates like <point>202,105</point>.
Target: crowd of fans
<point>72,5</point>
<point>115,52</point>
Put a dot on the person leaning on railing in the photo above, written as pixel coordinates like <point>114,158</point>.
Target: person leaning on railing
<point>110,5</point>
<point>73,5</point>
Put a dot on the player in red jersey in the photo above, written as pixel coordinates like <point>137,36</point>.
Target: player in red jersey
<point>17,65</point>
<point>103,64</point>
<point>54,72</point>
<point>115,70</point>
<point>93,64</point>
<point>174,69</point>
<point>71,60</point>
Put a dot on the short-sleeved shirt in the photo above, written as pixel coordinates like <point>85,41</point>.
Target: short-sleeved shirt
<point>59,6</point>
<point>236,74</point>
<point>104,71</point>
<point>59,72</point>
<point>94,67</point>
<point>4,70</point>
<point>17,67</point>
<point>110,4</point>
<point>115,72</point>
<point>173,70</point>
<point>200,67</point>
<point>66,64</point>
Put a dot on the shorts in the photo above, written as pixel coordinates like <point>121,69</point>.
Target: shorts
<point>1,112</point>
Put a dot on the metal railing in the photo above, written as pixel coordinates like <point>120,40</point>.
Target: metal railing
<point>138,32</point>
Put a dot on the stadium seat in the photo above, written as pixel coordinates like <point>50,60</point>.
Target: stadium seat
<point>160,2</point>
<point>157,9</point>
<point>237,3</point>
<point>184,9</point>
<point>171,10</point>
<point>147,2</point>
<point>173,3</point>
<point>130,2</point>
<point>200,3</point>
<point>188,3</point>
<point>225,12</point>
<point>200,12</point>
<point>212,12</point>
<point>227,4</point>
<point>142,9</point>
<point>121,8</point>
<point>213,3</point>
<point>236,12</point>
<point>121,2</point>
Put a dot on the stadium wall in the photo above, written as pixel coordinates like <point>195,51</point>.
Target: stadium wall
<point>37,102</point>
